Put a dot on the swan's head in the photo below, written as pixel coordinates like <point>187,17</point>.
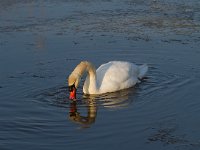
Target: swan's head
<point>73,82</point>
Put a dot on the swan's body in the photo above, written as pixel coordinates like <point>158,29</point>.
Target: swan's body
<point>110,77</point>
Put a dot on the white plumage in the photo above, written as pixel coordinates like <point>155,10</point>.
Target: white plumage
<point>114,76</point>
<point>110,77</point>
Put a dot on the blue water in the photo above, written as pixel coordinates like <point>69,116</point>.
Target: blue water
<point>42,41</point>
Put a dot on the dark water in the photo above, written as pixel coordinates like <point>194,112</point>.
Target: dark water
<point>42,41</point>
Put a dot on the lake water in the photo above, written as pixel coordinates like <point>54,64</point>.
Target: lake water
<point>42,41</point>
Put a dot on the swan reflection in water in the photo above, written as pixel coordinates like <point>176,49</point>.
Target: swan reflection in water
<point>115,100</point>
<point>76,116</point>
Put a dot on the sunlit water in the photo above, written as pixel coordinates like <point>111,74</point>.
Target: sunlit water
<point>42,41</point>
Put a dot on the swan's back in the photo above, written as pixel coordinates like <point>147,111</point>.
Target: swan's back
<point>113,76</point>
<point>116,75</point>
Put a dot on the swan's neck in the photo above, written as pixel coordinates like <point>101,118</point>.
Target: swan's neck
<point>90,83</point>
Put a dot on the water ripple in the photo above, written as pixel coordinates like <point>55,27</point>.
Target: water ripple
<point>164,83</point>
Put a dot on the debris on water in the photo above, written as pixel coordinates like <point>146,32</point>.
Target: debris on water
<point>167,137</point>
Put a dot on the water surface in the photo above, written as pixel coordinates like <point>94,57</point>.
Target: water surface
<point>42,41</point>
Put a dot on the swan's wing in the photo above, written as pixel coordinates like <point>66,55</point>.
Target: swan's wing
<point>116,75</point>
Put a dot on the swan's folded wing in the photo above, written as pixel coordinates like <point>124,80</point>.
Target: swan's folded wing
<point>116,75</point>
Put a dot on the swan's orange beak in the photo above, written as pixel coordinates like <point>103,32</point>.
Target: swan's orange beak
<point>72,95</point>
<point>72,92</point>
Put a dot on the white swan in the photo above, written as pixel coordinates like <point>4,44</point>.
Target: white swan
<point>110,77</point>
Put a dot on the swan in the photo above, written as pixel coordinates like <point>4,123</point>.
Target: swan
<point>109,77</point>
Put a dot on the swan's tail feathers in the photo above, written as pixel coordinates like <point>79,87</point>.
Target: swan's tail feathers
<point>142,71</point>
